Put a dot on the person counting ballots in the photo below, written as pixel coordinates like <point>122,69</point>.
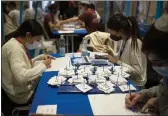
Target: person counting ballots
<point>87,16</point>
<point>19,75</point>
<point>155,46</point>
<point>125,29</point>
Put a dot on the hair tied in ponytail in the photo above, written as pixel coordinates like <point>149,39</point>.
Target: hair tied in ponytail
<point>130,23</point>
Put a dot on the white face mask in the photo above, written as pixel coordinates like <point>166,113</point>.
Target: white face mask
<point>162,71</point>
<point>32,46</point>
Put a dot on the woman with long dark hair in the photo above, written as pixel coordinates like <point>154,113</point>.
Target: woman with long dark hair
<point>125,29</point>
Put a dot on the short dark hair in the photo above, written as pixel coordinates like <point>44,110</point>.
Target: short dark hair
<point>92,6</point>
<point>12,4</point>
<point>5,5</point>
<point>156,42</point>
<point>52,6</point>
<point>26,6</point>
<point>32,26</point>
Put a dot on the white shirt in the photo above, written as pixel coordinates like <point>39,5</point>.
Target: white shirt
<point>15,16</point>
<point>98,16</point>
<point>135,61</point>
<point>19,78</point>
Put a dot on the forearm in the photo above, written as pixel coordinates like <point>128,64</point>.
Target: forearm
<point>39,57</point>
<point>149,93</point>
<point>74,19</point>
<point>131,70</point>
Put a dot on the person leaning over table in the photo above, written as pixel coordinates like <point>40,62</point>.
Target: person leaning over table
<point>155,46</point>
<point>130,55</point>
<point>19,75</point>
<point>50,20</point>
<point>88,16</point>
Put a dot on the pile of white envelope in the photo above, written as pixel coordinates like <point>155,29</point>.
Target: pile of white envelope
<point>106,78</point>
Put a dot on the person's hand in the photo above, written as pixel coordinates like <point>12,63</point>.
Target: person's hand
<point>58,25</point>
<point>112,59</point>
<point>47,63</point>
<point>149,105</point>
<point>132,100</point>
<point>49,57</point>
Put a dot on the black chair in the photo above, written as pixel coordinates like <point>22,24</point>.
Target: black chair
<point>11,109</point>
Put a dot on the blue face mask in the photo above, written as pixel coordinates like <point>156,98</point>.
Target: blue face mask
<point>162,71</point>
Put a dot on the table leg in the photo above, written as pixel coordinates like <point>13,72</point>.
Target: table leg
<point>67,44</point>
<point>72,40</point>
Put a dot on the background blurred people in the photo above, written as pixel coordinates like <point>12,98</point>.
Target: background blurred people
<point>92,6</point>
<point>9,27</point>
<point>72,9</point>
<point>50,20</point>
<point>88,16</point>
<point>29,13</point>
<point>14,13</point>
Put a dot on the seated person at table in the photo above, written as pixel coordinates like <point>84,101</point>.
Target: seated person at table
<point>125,29</point>
<point>88,16</point>
<point>19,74</point>
<point>50,20</point>
<point>155,46</point>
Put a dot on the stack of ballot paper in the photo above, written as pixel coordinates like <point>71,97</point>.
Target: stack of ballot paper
<point>106,87</point>
<point>77,79</point>
<point>125,88</point>
<point>96,79</point>
<point>88,67</point>
<point>118,80</point>
<point>84,87</point>
<point>84,72</point>
<point>66,72</point>
<point>92,54</point>
<point>57,80</point>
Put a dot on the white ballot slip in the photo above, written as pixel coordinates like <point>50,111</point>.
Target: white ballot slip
<point>47,109</point>
<point>84,87</point>
<point>59,63</point>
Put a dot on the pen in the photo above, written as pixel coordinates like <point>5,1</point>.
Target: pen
<point>132,108</point>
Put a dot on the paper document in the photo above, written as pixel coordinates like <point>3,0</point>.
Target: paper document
<point>113,104</point>
<point>59,63</point>
<point>47,109</point>
<point>126,87</point>
<point>73,55</point>
<point>66,32</point>
<point>84,87</point>
<point>92,54</point>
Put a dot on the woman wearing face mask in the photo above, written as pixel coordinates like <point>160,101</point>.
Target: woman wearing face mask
<point>19,74</point>
<point>155,46</point>
<point>129,55</point>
